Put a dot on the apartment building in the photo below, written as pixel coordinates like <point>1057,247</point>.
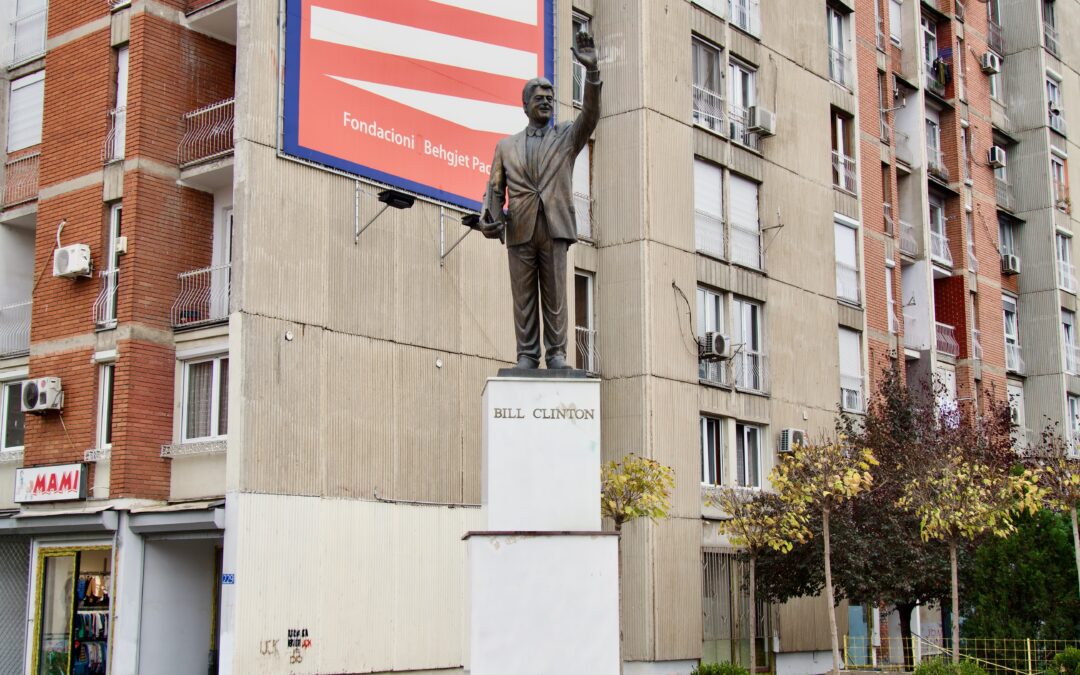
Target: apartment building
<point>271,384</point>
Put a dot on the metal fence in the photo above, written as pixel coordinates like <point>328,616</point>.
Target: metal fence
<point>208,133</point>
<point>27,35</point>
<point>997,656</point>
<point>751,371</point>
<point>843,171</point>
<point>839,67</point>
<point>583,215</point>
<point>15,329</point>
<point>22,179</point>
<point>203,296</point>
<point>116,138</point>
<point>105,304</point>
<point>588,358</point>
<point>708,109</point>
<point>946,339</point>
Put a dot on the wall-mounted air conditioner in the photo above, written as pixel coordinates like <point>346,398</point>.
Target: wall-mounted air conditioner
<point>41,394</point>
<point>789,438</point>
<point>996,157</point>
<point>1010,264</point>
<point>714,347</point>
<point>762,120</point>
<point>72,261</point>
<point>990,63</point>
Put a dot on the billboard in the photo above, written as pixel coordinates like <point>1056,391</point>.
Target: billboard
<point>411,93</point>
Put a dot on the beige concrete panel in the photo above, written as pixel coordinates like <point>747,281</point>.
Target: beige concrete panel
<point>584,257</point>
<point>846,205</point>
<point>621,292</point>
<point>425,305</point>
<point>667,63</point>
<point>748,283</point>
<point>619,31</point>
<point>670,181</point>
<point>710,146</point>
<point>1044,403</point>
<point>788,27</point>
<point>1040,332</point>
<point>358,436</point>
<point>674,440</point>
<point>672,334</point>
<point>744,47</point>
<point>474,373</point>
<point>477,279</point>
<point>197,476</point>
<point>841,98</point>
<point>707,25</point>
<point>794,319</point>
<point>120,27</point>
<point>112,187</point>
<point>284,215</point>
<point>427,457</point>
<point>802,142</point>
<point>636,591</point>
<point>1025,88</point>
<point>802,253</point>
<point>726,402</point>
<point>804,625</point>
<point>618,178</point>
<point>745,162</point>
<point>623,418</point>
<point>257,65</point>
<point>851,317</point>
<point>714,273</point>
<point>677,574</point>
<point>7,477</point>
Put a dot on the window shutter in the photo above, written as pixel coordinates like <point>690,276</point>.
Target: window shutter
<point>581,173</point>
<point>744,203</point>
<point>850,354</point>
<point>896,20</point>
<point>708,207</point>
<point>25,110</point>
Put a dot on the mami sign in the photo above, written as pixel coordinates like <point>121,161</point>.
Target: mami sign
<point>64,482</point>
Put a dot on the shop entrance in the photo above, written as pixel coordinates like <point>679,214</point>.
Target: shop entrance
<point>73,611</point>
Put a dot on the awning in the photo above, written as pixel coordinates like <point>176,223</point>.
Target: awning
<point>179,517</point>
<point>89,518</point>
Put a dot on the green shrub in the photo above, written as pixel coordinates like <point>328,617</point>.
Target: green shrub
<point>719,669</point>
<point>940,667</point>
<point>1067,662</point>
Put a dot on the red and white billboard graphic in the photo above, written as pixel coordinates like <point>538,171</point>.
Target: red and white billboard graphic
<point>411,93</point>
<point>63,482</point>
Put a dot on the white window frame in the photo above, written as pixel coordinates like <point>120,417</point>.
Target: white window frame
<point>1059,182</point>
<point>585,345</point>
<point>896,21</point>
<point>1068,339</point>
<point>711,429</point>
<point>709,208</point>
<point>750,477</point>
<point>742,95</point>
<point>745,15</point>
<point>707,71</point>
<point>111,272</point>
<point>31,21</point>
<point>929,35</point>
<point>579,22</point>
<point>710,318</point>
<point>851,382</point>
<point>1066,273</point>
<point>581,182</point>
<point>105,404</point>
<point>6,411</point>
<point>215,398</point>
<point>1006,237</point>
<point>890,295</point>
<point>997,83</point>
<point>1015,393</point>
<point>845,232</point>
<point>744,231</point>
<point>838,39</point>
<point>26,91</point>
<point>749,350</point>
<point>1072,422</point>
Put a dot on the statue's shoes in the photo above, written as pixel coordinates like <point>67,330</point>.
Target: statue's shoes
<point>558,363</point>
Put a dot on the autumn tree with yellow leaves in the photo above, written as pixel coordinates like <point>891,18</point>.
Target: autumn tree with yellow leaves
<point>1058,469</point>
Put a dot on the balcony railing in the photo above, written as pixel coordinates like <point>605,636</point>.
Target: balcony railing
<point>208,133</point>
<point>843,171</point>
<point>1013,361</point>
<point>839,67</point>
<point>203,296</point>
<point>1061,197</point>
<point>937,76</point>
<point>973,262</point>
<point>714,372</point>
<point>588,358</point>
<point>939,247</point>
<point>946,339</point>
<point>995,39</point>
<point>583,215</point>
<point>15,329</point>
<point>709,233</point>
<point>882,41</point>
<point>27,36</point>
<point>739,119</point>
<point>745,247</point>
<point>976,344</point>
<point>105,304</point>
<point>21,174</point>
<point>1066,276</point>
<point>851,398</point>
<point>751,371</point>
<point>847,282</point>
<point>911,324</point>
<point>894,321</point>
<point>708,109</point>
<point>884,129</point>
<point>1057,123</point>
<point>935,163</point>
<point>1050,38</point>
<point>1003,192</point>
<point>116,138</point>
<point>1072,359</point>
<point>909,243</point>
<point>890,224</point>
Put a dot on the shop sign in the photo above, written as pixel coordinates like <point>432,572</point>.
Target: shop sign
<point>62,482</point>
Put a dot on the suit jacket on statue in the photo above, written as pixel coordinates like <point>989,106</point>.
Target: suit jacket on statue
<point>550,184</point>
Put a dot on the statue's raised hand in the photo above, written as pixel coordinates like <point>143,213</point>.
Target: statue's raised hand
<point>584,49</point>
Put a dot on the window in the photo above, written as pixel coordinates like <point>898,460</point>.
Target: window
<point>1072,424</point>
<point>961,69</point>
<point>1065,269</point>
<point>939,240</point>
<point>993,11</point>
<point>105,306</point>
<point>1050,31</point>
<point>896,21</point>
<point>582,185</point>
<point>838,39</point>
<point>28,30</point>
<point>708,208</point>
<point>747,455</point>
<point>883,107</point>
<point>206,399</point>
<point>708,85</point>
<point>894,321</point>
<point>714,6</point>
<point>106,378</point>
<point>1068,339</point>
<point>712,451</point>
<point>584,322</point>
<point>580,23</point>
<point>742,90</point>
<point>746,15</point>
<point>710,318</point>
<point>847,262</point>
<point>997,89</point>
<point>851,377</point>
<point>116,140</point>
<point>1007,237</point>
<point>13,431</point>
<point>843,152</point>
<point>25,110</point>
<point>930,48</point>
<point>887,196</point>
<point>965,156</point>
<point>1054,105</point>
<point>1016,411</point>
<point>1059,180</point>
<point>935,160</point>
<point>745,227</point>
<point>1013,362</point>
<point>749,345</point>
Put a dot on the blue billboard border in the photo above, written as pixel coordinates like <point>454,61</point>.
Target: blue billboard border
<point>291,117</point>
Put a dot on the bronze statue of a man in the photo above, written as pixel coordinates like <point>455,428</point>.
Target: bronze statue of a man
<point>532,171</point>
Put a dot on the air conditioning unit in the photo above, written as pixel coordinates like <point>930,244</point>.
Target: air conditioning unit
<point>41,394</point>
<point>996,156</point>
<point>72,261</point>
<point>714,347</point>
<point>789,438</point>
<point>990,63</point>
<point>762,120</point>
<point>1010,264</point>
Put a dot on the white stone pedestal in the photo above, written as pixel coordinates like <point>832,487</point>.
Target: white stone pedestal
<point>544,581</point>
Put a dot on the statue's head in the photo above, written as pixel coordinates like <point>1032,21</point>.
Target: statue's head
<point>538,98</point>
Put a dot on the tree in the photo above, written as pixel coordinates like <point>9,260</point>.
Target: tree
<point>1059,475</point>
<point>961,498</point>
<point>821,477</point>
<point>758,521</point>
<point>635,488</point>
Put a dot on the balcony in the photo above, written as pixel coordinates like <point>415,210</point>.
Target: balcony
<point>946,339</point>
<point>751,372</point>
<point>1050,38</point>
<point>1003,193</point>
<point>939,248</point>
<point>739,118</point>
<point>208,133</point>
<point>890,224</point>
<point>1072,359</point>
<point>1013,361</point>
<point>995,39</point>
<point>1066,276</point>
<point>976,345</point>
<point>713,372</point>
<point>851,398</point>
<point>1057,123</point>
<point>105,304</point>
<point>935,163</point>
<point>937,76</point>
<point>583,215</point>
<point>15,329</point>
<point>839,67</point>
<point>884,130</point>
<point>847,283</point>
<point>27,34</point>
<point>708,109</point>
<point>843,172</point>
<point>21,174</point>
<point>203,297</point>
<point>116,137</point>
<point>588,358</point>
<point>909,243</point>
